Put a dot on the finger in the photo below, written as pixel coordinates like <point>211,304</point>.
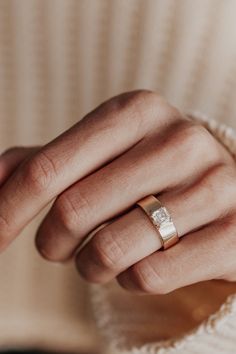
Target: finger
<point>117,124</point>
<point>200,256</point>
<point>132,237</point>
<point>115,188</point>
<point>11,159</point>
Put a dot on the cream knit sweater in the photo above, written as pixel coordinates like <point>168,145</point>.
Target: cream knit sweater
<point>58,60</point>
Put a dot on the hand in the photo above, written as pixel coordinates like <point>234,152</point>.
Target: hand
<point>132,146</point>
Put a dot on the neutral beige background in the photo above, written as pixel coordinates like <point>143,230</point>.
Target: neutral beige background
<point>58,60</point>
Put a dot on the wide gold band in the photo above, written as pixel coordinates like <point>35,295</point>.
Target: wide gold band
<point>161,219</point>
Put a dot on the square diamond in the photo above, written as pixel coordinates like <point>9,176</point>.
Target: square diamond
<point>160,216</point>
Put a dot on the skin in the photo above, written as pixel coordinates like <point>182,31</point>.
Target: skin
<point>134,145</point>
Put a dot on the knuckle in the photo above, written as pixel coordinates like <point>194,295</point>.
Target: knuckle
<point>65,212</point>
<point>147,280</point>
<point>194,134</point>
<point>107,252</point>
<point>39,173</point>
<point>71,212</point>
<point>145,106</point>
<point>197,141</point>
<point>140,96</point>
<point>140,109</point>
<point>227,178</point>
<point>220,177</point>
<point>146,101</point>
<point>227,226</point>
<point>148,97</point>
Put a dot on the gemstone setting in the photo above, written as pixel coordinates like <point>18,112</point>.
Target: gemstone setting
<point>160,216</point>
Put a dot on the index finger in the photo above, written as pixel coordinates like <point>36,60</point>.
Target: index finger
<point>104,134</point>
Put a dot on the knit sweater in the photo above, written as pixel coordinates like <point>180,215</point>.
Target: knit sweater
<point>58,60</point>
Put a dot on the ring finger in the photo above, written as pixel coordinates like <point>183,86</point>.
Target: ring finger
<point>132,237</point>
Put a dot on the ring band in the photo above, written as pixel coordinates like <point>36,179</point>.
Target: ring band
<point>161,219</point>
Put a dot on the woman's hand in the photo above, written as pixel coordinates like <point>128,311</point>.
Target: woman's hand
<point>132,146</point>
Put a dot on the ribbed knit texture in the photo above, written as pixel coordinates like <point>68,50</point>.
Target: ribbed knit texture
<point>58,60</point>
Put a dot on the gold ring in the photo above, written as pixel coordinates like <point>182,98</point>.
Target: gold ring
<point>161,219</point>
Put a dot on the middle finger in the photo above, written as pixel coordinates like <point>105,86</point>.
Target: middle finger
<point>132,237</point>
<point>114,189</point>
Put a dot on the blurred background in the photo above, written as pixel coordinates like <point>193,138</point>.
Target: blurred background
<point>58,60</point>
